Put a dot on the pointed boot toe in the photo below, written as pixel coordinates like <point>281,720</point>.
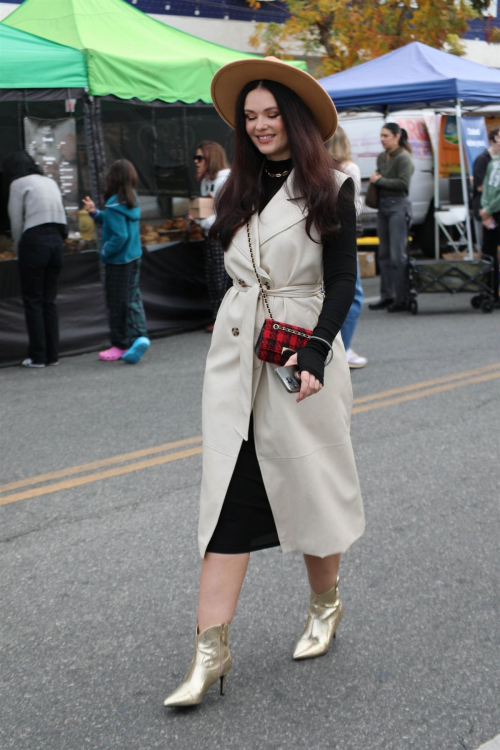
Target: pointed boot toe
<point>309,648</point>
<point>211,662</point>
<point>182,697</point>
<point>325,613</point>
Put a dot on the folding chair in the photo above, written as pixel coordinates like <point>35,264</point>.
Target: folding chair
<point>454,216</point>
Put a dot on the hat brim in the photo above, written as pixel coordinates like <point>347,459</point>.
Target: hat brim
<point>231,78</point>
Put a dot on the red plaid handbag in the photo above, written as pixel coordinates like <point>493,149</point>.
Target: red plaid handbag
<point>277,341</point>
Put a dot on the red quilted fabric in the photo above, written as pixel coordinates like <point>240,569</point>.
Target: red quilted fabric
<point>272,340</point>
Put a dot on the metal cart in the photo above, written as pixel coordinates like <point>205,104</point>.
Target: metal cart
<point>454,277</point>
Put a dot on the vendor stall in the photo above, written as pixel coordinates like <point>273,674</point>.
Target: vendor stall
<point>143,93</point>
<point>34,70</point>
<point>418,76</point>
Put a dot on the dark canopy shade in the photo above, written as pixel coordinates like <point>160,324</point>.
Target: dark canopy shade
<point>29,62</point>
<point>415,75</point>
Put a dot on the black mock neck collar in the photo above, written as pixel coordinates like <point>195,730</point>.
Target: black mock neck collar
<point>279,166</point>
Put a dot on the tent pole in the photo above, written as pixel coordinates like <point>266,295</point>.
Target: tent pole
<point>463,172</point>
<point>436,183</point>
<point>95,147</point>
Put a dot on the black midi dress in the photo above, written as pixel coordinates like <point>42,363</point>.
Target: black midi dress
<point>246,522</point>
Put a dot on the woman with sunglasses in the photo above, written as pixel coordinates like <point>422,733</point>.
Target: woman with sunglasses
<point>277,470</point>
<point>212,172</point>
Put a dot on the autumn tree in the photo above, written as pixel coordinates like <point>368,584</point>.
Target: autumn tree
<point>344,34</point>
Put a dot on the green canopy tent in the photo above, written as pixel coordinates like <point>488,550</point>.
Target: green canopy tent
<point>147,98</point>
<point>29,62</point>
<point>128,54</point>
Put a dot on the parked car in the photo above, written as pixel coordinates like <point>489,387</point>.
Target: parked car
<point>363,130</point>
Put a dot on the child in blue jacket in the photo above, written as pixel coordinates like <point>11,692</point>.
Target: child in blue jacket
<point>121,253</point>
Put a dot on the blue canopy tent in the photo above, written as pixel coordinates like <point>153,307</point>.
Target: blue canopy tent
<point>417,76</point>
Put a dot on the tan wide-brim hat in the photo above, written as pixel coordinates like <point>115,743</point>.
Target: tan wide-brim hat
<point>230,79</point>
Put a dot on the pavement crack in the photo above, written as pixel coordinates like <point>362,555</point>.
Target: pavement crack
<point>486,402</point>
<point>461,740</point>
<point>59,523</point>
<point>12,538</point>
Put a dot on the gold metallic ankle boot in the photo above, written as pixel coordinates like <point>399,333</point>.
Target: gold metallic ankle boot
<point>325,613</point>
<point>211,662</point>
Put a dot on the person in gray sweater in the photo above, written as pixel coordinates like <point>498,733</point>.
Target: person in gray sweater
<point>392,180</point>
<point>38,225</point>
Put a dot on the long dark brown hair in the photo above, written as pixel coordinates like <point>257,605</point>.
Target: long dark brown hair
<point>241,194</point>
<point>121,181</point>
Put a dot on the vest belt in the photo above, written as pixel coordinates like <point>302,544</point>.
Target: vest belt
<point>247,343</point>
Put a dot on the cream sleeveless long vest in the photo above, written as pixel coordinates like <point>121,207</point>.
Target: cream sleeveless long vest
<point>304,450</point>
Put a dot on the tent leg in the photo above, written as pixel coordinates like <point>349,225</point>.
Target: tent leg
<point>436,184</point>
<point>95,147</point>
<point>463,172</point>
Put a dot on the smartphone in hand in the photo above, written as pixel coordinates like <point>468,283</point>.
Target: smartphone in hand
<point>289,376</point>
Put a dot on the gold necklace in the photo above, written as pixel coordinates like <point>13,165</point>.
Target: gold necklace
<point>278,174</point>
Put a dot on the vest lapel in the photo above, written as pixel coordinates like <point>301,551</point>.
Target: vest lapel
<point>283,211</point>
<point>240,240</point>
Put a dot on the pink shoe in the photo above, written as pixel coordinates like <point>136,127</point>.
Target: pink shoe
<point>110,355</point>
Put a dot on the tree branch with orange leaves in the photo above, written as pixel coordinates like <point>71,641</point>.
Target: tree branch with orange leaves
<point>346,34</point>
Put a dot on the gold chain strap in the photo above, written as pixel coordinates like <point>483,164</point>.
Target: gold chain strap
<point>264,297</point>
<point>256,274</point>
<point>291,330</point>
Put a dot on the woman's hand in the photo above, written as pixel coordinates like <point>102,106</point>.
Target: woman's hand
<point>375,176</point>
<point>88,204</point>
<point>309,385</point>
<point>483,213</point>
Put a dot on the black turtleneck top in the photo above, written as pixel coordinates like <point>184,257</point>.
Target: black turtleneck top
<point>339,268</point>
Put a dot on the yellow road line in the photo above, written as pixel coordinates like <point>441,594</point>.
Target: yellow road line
<point>427,392</point>
<point>440,385</point>
<point>426,383</point>
<point>79,481</point>
<point>124,457</point>
<point>99,464</point>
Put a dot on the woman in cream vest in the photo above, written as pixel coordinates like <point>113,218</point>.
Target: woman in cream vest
<point>278,469</point>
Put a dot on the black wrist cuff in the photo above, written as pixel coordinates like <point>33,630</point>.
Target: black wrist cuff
<point>311,361</point>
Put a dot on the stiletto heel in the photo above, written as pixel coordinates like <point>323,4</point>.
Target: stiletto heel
<point>211,662</point>
<point>223,684</point>
<point>325,613</point>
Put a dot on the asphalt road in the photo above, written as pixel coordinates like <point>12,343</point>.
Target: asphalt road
<point>99,579</point>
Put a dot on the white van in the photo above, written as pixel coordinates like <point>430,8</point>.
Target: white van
<point>363,131</point>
